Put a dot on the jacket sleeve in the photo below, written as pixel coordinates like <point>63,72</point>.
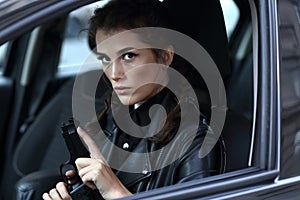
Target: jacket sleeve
<point>193,166</point>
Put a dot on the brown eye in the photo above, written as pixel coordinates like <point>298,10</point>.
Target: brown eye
<point>104,60</point>
<point>129,56</point>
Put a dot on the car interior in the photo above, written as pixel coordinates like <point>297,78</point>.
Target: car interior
<point>35,148</point>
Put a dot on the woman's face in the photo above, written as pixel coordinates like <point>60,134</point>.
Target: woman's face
<point>132,67</point>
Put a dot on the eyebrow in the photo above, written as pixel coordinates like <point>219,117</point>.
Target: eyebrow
<point>120,52</point>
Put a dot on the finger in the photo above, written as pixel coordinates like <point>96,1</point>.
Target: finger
<point>94,166</point>
<point>87,181</point>
<point>54,194</point>
<point>89,176</point>
<point>62,190</point>
<point>70,173</point>
<point>92,146</point>
<point>84,162</point>
<point>91,173</point>
<point>71,177</point>
<point>46,196</point>
<point>91,185</point>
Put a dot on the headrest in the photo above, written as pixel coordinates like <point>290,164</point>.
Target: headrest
<point>204,22</point>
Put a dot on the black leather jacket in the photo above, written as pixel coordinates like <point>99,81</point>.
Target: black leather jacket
<point>159,164</point>
<point>148,171</point>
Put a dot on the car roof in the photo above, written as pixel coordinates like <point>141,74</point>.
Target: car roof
<point>16,15</point>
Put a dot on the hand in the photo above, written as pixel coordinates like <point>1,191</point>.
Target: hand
<point>95,171</point>
<point>58,193</point>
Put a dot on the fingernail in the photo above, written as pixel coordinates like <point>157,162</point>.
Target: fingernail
<point>79,129</point>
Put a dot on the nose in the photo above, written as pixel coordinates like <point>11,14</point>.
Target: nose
<point>117,71</point>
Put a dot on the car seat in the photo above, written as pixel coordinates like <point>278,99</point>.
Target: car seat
<point>42,149</point>
<point>207,27</point>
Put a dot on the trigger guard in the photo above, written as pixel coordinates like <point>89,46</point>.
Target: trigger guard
<point>63,172</point>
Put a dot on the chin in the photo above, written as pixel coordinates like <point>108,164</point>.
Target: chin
<point>131,99</point>
<point>126,101</point>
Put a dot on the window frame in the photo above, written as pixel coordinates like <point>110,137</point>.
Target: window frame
<point>7,49</point>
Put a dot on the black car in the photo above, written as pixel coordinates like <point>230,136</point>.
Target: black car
<point>255,45</point>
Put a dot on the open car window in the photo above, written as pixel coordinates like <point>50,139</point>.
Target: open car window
<point>75,51</point>
<point>4,50</point>
<point>231,15</point>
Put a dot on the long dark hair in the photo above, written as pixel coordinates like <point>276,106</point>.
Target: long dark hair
<point>130,14</point>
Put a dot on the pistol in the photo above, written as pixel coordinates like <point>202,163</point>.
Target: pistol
<point>77,190</point>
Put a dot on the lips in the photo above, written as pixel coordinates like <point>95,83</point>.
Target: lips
<point>121,90</point>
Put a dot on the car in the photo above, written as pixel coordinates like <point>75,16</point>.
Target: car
<point>254,44</point>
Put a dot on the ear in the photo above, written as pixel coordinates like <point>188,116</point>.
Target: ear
<point>168,55</point>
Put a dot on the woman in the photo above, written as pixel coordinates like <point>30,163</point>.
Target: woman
<point>139,78</point>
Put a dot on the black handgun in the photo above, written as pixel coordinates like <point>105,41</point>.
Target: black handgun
<point>78,190</point>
